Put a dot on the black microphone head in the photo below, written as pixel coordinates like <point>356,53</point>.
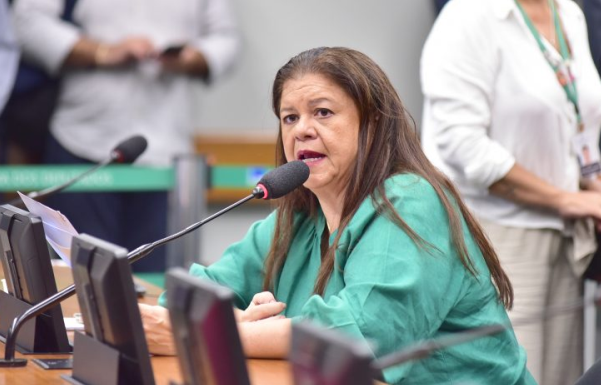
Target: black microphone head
<point>129,150</point>
<point>282,180</point>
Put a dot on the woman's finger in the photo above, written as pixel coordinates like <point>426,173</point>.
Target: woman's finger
<point>259,312</point>
<point>262,298</point>
<point>157,329</point>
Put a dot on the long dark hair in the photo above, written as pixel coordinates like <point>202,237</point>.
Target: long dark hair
<point>388,145</point>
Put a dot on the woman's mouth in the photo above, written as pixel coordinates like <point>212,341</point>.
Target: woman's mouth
<point>309,156</point>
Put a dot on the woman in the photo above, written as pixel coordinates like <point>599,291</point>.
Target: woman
<point>377,243</point>
<point>501,120</point>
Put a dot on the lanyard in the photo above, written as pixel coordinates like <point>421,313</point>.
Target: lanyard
<point>561,69</point>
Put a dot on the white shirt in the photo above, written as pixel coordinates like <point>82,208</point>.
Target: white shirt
<point>9,54</point>
<point>492,99</point>
<point>98,108</point>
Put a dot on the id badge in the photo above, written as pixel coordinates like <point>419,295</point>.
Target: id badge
<point>586,147</point>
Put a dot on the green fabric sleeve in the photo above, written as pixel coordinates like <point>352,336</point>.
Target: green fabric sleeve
<point>241,266</point>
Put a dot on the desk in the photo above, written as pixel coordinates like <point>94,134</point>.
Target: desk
<point>262,372</point>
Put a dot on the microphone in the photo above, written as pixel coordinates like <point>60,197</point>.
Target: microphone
<point>125,152</point>
<point>282,180</point>
<point>129,150</point>
<point>275,184</point>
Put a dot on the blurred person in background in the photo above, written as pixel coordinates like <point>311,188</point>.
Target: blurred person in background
<point>9,58</point>
<point>592,11</point>
<point>128,67</point>
<point>511,98</point>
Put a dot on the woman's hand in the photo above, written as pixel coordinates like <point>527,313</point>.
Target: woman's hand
<point>268,338</point>
<point>157,328</point>
<point>263,306</point>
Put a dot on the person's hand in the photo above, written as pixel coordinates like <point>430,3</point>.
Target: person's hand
<point>157,328</point>
<point>581,204</point>
<point>189,61</point>
<point>262,307</point>
<point>268,338</point>
<point>593,185</point>
<point>130,50</point>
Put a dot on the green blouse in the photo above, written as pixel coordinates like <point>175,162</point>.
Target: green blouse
<point>387,290</point>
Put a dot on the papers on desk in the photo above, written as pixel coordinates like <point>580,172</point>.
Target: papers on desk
<point>59,231</point>
<point>71,323</point>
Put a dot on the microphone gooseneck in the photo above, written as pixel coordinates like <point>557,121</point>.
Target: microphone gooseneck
<point>294,176</point>
<point>125,152</point>
<point>426,348</point>
<point>275,184</point>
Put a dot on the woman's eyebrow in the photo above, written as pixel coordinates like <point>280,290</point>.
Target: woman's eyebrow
<point>313,102</point>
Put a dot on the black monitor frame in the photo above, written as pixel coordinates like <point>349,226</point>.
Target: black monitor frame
<point>113,349</point>
<point>205,331</point>
<point>25,260</point>
<point>321,356</point>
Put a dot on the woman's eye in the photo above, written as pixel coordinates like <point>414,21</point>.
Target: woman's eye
<point>323,112</point>
<point>289,119</point>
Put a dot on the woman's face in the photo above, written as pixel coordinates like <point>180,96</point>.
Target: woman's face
<point>320,126</point>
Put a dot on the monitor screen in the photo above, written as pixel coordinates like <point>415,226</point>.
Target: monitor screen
<point>25,256</point>
<point>108,302</point>
<point>29,277</point>
<point>321,356</point>
<point>205,331</point>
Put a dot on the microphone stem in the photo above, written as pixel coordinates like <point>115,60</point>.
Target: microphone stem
<point>51,190</point>
<point>48,303</point>
<point>425,348</point>
<point>143,251</point>
<point>133,256</point>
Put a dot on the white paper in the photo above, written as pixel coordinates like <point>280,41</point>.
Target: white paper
<point>59,231</point>
<point>58,236</point>
<point>48,215</point>
<point>63,252</point>
<point>72,323</point>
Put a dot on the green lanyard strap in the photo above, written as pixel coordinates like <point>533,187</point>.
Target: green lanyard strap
<point>562,69</point>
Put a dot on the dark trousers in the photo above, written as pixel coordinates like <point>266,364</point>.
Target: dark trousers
<point>592,11</point>
<point>439,4</point>
<point>127,219</point>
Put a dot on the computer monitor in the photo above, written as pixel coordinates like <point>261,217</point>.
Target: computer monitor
<point>321,356</point>
<point>112,321</point>
<point>205,332</point>
<point>29,278</point>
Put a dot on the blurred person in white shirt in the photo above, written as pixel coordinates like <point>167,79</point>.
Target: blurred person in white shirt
<point>128,67</point>
<point>499,122</point>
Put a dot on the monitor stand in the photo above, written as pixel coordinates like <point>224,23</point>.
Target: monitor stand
<point>94,363</point>
<point>35,337</point>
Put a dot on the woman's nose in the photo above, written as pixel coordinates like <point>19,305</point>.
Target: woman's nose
<point>305,129</point>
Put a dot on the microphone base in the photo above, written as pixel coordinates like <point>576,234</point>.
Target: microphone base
<point>14,363</point>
